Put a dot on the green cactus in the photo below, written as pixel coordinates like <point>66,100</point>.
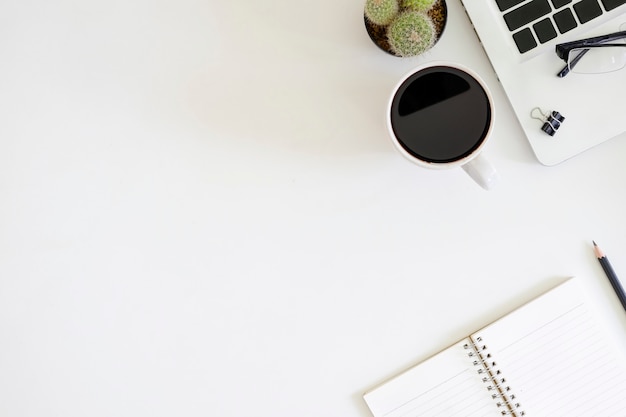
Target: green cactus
<point>411,33</point>
<point>381,12</point>
<point>419,5</point>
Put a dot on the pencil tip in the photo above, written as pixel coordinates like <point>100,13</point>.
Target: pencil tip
<point>594,243</point>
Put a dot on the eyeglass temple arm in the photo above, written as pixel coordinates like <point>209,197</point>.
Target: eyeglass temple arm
<point>571,64</point>
<point>563,49</point>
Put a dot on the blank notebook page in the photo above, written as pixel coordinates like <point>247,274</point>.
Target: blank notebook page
<point>446,385</point>
<point>555,358</point>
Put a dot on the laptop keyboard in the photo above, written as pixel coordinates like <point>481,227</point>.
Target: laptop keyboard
<point>533,22</point>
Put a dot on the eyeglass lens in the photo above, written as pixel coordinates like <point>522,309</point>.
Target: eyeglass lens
<point>597,60</point>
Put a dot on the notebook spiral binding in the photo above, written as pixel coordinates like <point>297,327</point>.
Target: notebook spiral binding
<point>490,374</point>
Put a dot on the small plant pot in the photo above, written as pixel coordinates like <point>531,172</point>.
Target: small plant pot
<point>405,30</point>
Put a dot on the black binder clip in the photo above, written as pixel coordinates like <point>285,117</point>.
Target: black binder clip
<point>551,120</point>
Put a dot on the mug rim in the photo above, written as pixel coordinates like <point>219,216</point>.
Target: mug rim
<point>457,162</point>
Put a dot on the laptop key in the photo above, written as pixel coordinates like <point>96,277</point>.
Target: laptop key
<point>507,4</point>
<point>530,11</point>
<point>524,40</point>
<point>560,3</point>
<point>587,10</point>
<point>612,4</point>
<point>565,20</point>
<point>504,5</point>
<point>544,30</point>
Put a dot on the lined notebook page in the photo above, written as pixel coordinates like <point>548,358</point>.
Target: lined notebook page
<point>556,359</point>
<point>446,385</point>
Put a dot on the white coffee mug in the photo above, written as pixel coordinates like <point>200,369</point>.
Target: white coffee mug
<point>440,115</point>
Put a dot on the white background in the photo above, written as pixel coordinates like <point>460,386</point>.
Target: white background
<point>202,214</point>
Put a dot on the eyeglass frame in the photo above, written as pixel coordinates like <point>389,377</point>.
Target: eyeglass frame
<point>563,49</point>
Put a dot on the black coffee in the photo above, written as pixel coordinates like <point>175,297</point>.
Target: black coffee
<point>440,114</point>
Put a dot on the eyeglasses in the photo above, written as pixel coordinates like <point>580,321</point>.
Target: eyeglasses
<point>593,55</point>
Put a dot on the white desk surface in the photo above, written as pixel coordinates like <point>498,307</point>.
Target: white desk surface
<point>202,214</point>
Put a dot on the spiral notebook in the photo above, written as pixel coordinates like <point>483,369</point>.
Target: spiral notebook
<point>547,358</point>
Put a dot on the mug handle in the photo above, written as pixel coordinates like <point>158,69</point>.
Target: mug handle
<point>481,171</point>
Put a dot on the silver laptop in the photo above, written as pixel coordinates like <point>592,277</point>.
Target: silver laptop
<point>519,37</point>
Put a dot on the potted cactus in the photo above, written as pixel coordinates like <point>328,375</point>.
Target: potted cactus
<point>405,28</point>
